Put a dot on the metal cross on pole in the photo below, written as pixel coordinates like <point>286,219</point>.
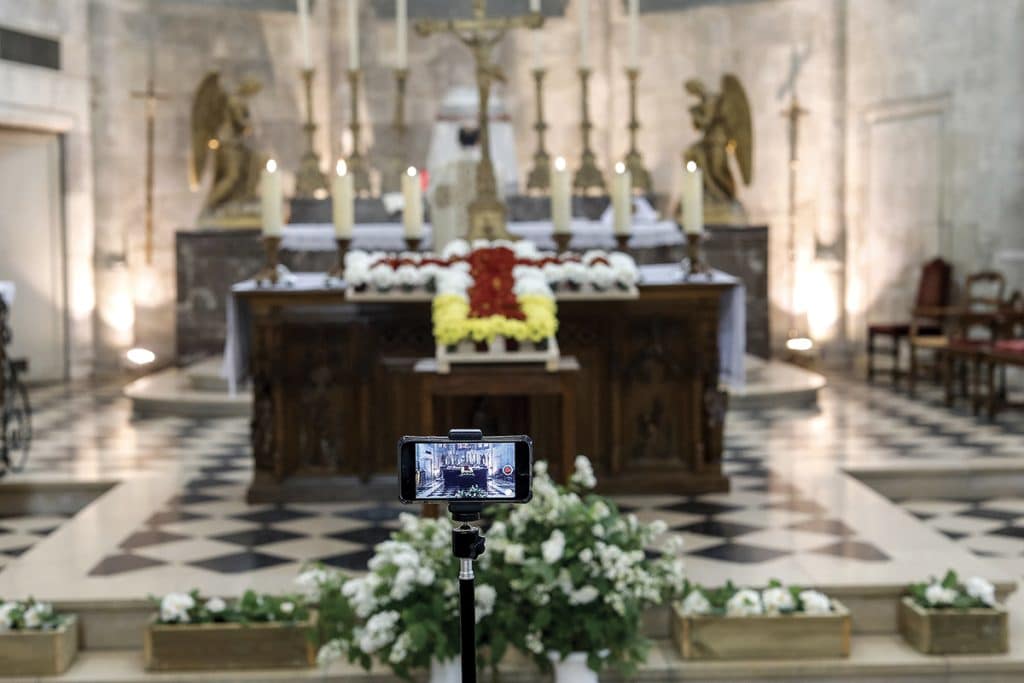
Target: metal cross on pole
<point>151,97</point>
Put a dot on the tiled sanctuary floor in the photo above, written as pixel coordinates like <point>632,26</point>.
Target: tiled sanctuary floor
<point>177,518</point>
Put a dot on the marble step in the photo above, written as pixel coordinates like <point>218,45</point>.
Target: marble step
<point>775,384</point>
<point>205,375</point>
<point>873,659</point>
<point>175,392</point>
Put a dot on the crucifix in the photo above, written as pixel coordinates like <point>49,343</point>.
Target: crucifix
<point>151,97</point>
<point>487,213</point>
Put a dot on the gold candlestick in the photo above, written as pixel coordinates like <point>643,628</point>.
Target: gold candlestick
<point>413,243</point>
<point>309,181</point>
<point>399,121</point>
<point>338,272</point>
<point>268,274</point>
<point>622,243</point>
<point>358,167</point>
<point>540,175</point>
<point>697,266</point>
<point>634,161</point>
<point>589,176</point>
<point>562,240</point>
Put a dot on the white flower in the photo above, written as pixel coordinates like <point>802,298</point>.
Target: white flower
<point>481,244</point>
<point>534,643</point>
<point>592,255</point>
<point>583,596</point>
<point>625,275</point>
<point>980,589</point>
<point>357,257</point>
<point>485,599</point>
<point>602,276</point>
<point>425,576</point>
<point>540,468</point>
<point>525,249</point>
<point>453,281</point>
<point>361,593</point>
<point>657,527</point>
<point>515,553</point>
<point>383,276</point>
<point>937,595</point>
<point>597,530</point>
<point>404,583</point>
<point>575,272</point>
<point>777,599</point>
<point>379,631</point>
<point>455,248</point>
<point>696,603</point>
<point>309,582</point>
<point>815,602</point>
<point>357,274</point>
<point>584,474</point>
<point>175,606</point>
<point>554,273</point>
<point>531,285</point>
<point>553,548</point>
<point>287,607</point>
<point>586,555</point>
<point>409,275</point>
<point>30,617</point>
<point>400,648</point>
<point>744,603</point>
<point>215,606</point>
<point>330,651</point>
<point>6,615</point>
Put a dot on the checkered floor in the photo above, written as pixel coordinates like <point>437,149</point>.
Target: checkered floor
<point>207,529</point>
<point>18,533</point>
<point>989,528</point>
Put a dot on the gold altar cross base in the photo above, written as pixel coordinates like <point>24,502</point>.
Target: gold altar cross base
<point>487,213</point>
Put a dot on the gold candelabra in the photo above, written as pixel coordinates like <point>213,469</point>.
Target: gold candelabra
<point>399,121</point>
<point>309,181</point>
<point>588,176</point>
<point>539,179</point>
<point>634,161</point>
<point>269,273</point>
<point>358,166</point>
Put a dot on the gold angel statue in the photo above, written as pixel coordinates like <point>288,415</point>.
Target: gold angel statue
<point>724,120</point>
<point>222,128</point>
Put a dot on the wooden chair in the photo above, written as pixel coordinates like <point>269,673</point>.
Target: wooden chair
<point>932,292</point>
<point>1006,351</point>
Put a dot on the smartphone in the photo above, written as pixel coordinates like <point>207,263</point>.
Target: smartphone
<point>496,469</point>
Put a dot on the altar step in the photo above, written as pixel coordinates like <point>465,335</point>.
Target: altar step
<point>199,390</point>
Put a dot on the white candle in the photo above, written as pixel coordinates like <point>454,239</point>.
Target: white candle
<point>535,38</point>
<point>304,46</point>
<point>622,200</point>
<point>353,34</point>
<point>584,6</point>
<point>693,199</point>
<point>634,33</point>
<point>271,200</point>
<point>412,216</point>
<point>561,198</point>
<point>342,202</point>
<point>402,33</point>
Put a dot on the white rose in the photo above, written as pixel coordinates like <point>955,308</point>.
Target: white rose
<point>777,600</point>
<point>696,603</point>
<point>745,603</point>
<point>215,605</point>
<point>525,249</point>
<point>534,286</point>
<point>357,257</point>
<point>592,255</point>
<point>357,274</point>
<point>383,276</point>
<point>554,273</point>
<point>815,602</point>
<point>937,595</point>
<point>575,272</point>
<point>553,548</point>
<point>408,276</point>
<point>455,249</point>
<point>602,276</point>
<point>30,617</point>
<point>175,606</point>
<point>7,615</point>
<point>515,553</point>
<point>980,589</point>
<point>287,607</point>
<point>481,244</point>
<point>624,275</point>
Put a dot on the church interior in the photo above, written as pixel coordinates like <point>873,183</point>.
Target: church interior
<point>749,274</point>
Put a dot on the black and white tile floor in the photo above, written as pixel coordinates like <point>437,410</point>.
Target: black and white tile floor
<point>791,512</point>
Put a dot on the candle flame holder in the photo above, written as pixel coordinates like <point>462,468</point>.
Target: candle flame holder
<point>309,181</point>
<point>588,177</point>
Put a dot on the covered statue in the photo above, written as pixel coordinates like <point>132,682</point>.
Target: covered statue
<point>723,118</point>
<point>222,129</point>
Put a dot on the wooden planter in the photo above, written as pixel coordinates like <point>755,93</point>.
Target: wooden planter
<point>980,631</point>
<point>196,647</point>
<point>39,653</point>
<point>789,636</point>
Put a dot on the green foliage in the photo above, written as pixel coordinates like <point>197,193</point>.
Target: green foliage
<point>951,593</point>
<point>29,615</point>
<point>252,607</point>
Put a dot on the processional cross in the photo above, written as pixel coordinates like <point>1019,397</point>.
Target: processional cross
<point>487,213</point>
<point>151,96</point>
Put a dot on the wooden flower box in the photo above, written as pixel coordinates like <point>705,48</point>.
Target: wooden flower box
<point>789,636</point>
<point>39,653</point>
<point>498,351</point>
<point>199,647</point>
<point>952,631</point>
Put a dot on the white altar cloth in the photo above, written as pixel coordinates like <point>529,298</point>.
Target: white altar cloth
<point>586,234</point>
<point>732,320</point>
<point>7,291</point>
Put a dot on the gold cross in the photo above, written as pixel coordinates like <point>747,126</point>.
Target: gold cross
<point>151,96</point>
<point>479,23</point>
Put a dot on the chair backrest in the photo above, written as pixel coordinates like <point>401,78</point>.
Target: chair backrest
<point>984,291</point>
<point>934,286</point>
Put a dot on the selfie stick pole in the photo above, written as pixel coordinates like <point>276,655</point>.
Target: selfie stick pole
<point>467,545</point>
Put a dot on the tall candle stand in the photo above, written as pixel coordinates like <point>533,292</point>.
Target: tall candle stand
<point>398,123</point>
<point>309,181</point>
<point>540,175</point>
<point>358,167</point>
<point>269,273</point>
<point>589,176</point>
<point>413,243</point>
<point>338,272</point>
<point>694,256</point>
<point>634,161</point>
<point>562,240</point>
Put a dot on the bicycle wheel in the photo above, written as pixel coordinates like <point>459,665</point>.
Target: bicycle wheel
<point>18,427</point>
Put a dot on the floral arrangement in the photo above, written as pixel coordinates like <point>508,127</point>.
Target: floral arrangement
<point>190,608</point>
<point>322,588</point>
<point>776,599</point>
<point>950,593</point>
<point>407,606</point>
<point>578,569</point>
<point>29,615</point>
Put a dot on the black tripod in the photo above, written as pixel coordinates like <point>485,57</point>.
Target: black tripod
<point>467,545</point>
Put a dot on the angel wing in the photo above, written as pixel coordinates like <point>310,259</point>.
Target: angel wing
<point>208,110</point>
<point>735,112</point>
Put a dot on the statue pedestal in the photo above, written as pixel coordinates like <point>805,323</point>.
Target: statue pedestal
<point>718,212</point>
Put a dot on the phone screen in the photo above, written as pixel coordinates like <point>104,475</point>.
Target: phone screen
<point>465,470</point>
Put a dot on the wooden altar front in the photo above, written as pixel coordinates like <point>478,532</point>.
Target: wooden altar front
<point>334,388</point>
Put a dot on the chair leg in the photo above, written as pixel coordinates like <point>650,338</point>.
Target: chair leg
<point>962,368</point>
<point>896,360</point>
<point>871,356</point>
<point>948,369</point>
<point>975,385</point>
<point>912,376</point>
<point>993,393</point>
